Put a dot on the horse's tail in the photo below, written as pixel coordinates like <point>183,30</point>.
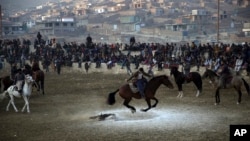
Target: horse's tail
<point>111,97</point>
<point>246,85</point>
<point>1,83</point>
<point>3,95</point>
<point>200,83</point>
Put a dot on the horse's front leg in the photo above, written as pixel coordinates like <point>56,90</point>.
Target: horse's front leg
<point>26,104</point>
<point>156,102</point>
<point>180,92</point>
<point>126,102</point>
<point>217,96</point>
<point>239,98</point>
<point>7,107</point>
<point>149,105</point>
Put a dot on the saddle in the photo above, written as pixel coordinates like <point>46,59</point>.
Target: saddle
<point>133,87</point>
<point>15,88</point>
<point>229,79</point>
<point>188,77</point>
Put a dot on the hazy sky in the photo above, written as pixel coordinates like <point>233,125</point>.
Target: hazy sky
<point>14,5</point>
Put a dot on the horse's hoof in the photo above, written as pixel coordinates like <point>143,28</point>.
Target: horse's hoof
<point>238,103</point>
<point>133,111</point>
<point>216,104</point>
<point>143,110</point>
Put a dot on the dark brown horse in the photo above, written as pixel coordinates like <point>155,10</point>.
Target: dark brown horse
<point>6,81</point>
<point>38,76</point>
<point>180,79</point>
<point>126,93</point>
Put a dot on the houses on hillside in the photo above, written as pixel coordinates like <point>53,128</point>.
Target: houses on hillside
<point>157,18</point>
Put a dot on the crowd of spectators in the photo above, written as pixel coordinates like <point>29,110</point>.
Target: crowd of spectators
<point>49,52</point>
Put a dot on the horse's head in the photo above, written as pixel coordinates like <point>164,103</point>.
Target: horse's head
<point>35,66</point>
<point>3,95</point>
<point>209,74</point>
<point>28,79</point>
<point>173,70</point>
<point>27,66</point>
<point>205,74</point>
<point>167,82</point>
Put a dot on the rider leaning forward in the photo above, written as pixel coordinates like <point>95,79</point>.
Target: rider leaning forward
<point>138,78</point>
<point>225,73</point>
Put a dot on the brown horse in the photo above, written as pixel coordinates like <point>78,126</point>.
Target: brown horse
<point>126,93</point>
<point>180,79</point>
<point>6,81</point>
<point>234,81</point>
<point>35,66</point>
<point>38,76</point>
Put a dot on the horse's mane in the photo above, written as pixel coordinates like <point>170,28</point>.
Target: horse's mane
<point>35,66</point>
<point>213,73</point>
<point>156,77</point>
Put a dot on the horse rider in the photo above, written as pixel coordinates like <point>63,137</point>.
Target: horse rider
<point>19,80</point>
<point>140,80</point>
<point>224,74</point>
<point>13,71</point>
<point>186,67</point>
<point>238,64</point>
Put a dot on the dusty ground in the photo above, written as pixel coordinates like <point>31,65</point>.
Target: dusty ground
<point>70,99</point>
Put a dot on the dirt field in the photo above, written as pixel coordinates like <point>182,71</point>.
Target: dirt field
<point>63,113</point>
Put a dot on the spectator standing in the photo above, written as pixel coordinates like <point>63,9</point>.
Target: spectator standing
<point>39,37</point>
<point>129,71</point>
<point>58,65</point>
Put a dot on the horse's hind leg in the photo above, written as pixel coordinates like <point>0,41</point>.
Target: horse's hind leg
<point>199,87</point>
<point>12,103</point>
<point>126,102</point>
<point>38,86</point>
<point>149,106</point>
<point>42,86</point>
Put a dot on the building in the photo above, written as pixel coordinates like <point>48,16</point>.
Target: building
<point>57,26</point>
<point>246,29</point>
<point>12,28</point>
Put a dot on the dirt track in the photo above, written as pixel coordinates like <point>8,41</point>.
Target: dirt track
<point>64,112</point>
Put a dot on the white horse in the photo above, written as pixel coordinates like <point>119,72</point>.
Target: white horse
<point>12,91</point>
